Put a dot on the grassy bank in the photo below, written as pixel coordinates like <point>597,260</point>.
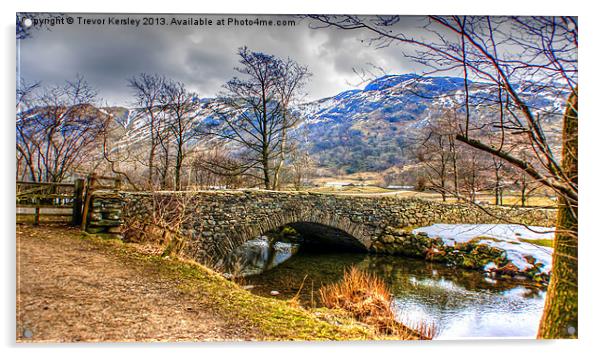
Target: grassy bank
<point>270,319</point>
<point>275,319</point>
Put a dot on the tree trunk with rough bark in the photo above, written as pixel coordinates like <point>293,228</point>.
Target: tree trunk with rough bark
<point>560,315</point>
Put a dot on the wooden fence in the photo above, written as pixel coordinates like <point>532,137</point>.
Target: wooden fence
<point>54,201</point>
<point>62,202</point>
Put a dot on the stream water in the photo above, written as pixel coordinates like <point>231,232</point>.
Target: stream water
<point>462,303</point>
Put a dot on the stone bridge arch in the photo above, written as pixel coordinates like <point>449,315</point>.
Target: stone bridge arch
<point>309,221</point>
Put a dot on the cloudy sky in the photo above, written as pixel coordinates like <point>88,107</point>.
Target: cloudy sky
<point>202,57</point>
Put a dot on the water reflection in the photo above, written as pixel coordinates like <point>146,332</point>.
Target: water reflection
<point>462,303</point>
<point>259,255</point>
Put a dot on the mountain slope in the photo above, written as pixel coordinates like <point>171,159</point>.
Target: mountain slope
<point>370,129</point>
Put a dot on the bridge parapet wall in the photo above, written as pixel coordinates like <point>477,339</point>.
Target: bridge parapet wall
<point>215,222</point>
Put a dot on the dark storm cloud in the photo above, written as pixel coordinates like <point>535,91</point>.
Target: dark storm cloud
<point>201,57</point>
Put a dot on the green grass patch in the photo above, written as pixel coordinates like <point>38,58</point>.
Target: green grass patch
<point>478,239</point>
<point>539,242</point>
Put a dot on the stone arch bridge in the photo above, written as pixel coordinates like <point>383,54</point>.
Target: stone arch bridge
<point>215,222</point>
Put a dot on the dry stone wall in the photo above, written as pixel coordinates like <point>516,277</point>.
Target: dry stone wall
<point>105,213</point>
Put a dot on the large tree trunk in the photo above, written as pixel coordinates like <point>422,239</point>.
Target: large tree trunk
<point>178,170</point>
<point>151,160</point>
<point>278,168</point>
<point>559,318</point>
<point>265,166</point>
<point>454,158</point>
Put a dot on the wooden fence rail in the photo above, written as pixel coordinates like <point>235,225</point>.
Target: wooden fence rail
<point>61,199</point>
<point>50,199</point>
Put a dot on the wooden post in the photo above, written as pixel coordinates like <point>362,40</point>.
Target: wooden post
<point>78,197</point>
<point>90,187</point>
<point>36,218</point>
<point>92,182</point>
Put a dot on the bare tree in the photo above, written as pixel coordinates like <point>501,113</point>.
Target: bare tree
<point>57,129</point>
<point>149,92</point>
<point>119,156</point>
<point>293,78</point>
<point>25,91</point>
<point>520,57</point>
<point>437,151</point>
<point>254,113</point>
<point>164,154</point>
<point>182,109</point>
<point>526,185</point>
<point>434,154</point>
<point>498,165</point>
<point>471,173</point>
<point>302,167</point>
<point>24,101</point>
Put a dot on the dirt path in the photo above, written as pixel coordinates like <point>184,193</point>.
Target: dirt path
<point>70,289</point>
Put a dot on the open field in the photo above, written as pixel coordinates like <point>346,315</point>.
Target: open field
<point>508,200</point>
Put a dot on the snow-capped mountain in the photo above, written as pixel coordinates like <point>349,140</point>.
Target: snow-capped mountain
<point>370,129</point>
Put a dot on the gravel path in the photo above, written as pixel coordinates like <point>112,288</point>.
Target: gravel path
<point>70,289</point>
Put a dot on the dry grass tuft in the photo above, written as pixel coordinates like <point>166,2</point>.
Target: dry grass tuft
<point>426,330</point>
<point>368,299</point>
